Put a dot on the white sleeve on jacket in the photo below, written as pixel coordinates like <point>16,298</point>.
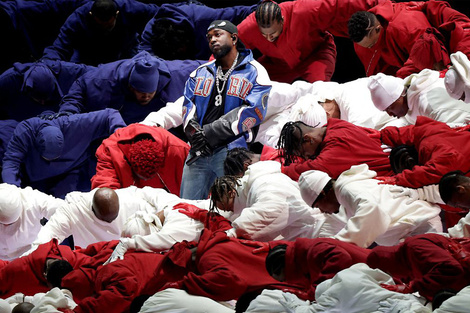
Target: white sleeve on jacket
<point>367,222</point>
<point>176,227</point>
<point>59,226</point>
<point>267,211</point>
<point>430,193</point>
<point>461,229</point>
<point>167,117</point>
<point>43,203</point>
<point>159,198</point>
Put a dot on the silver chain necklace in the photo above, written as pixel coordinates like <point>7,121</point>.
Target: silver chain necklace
<point>220,76</point>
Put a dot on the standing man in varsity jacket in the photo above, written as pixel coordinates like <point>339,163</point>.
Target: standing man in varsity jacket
<point>224,100</point>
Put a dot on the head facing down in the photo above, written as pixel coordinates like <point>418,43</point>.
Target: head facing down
<point>223,39</point>
<point>40,84</point>
<point>50,142</point>
<point>10,204</point>
<point>364,29</point>
<point>146,157</point>
<point>454,188</point>
<point>238,160</point>
<point>142,223</point>
<point>316,188</point>
<point>402,158</point>
<point>104,15</point>
<point>389,94</point>
<point>223,193</point>
<point>23,307</point>
<point>172,41</point>
<point>297,139</point>
<point>143,79</point>
<point>55,271</point>
<point>276,262</point>
<point>457,79</point>
<point>429,51</point>
<point>270,20</point>
<point>105,204</point>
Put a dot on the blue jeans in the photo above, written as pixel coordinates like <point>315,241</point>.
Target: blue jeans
<point>199,176</point>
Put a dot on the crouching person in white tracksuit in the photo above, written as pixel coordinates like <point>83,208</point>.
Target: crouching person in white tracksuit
<point>265,204</point>
<point>354,290</point>
<point>21,211</point>
<point>370,211</point>
<point>98,215</point>
<point>159,230</point>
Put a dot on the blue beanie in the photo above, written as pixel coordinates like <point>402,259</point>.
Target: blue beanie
<point>50,142</point>
<point>144,76</point>
<point>40,79</point>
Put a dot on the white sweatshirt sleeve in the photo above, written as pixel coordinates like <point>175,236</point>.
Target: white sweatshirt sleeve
<point>167,117</point>
<point>176,227</point>
<point>43,203</point>
<point>59,226</point>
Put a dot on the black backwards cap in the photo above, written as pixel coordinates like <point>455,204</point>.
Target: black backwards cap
<point>224,25</point>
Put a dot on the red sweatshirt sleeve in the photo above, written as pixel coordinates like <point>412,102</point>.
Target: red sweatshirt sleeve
<point>115,291</point>
<point>330,258</point>
<point>433,267</point>
<point>442,159</point>
<point>106,175</point>
<point>394,136</point>
<point>219,283</point>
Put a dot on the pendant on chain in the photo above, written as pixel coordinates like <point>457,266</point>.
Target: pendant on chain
<point>218,100</point>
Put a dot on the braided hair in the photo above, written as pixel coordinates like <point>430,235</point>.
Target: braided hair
<point>360,24</point>
<point>267,12</point>
<point>290,141</point>
<point>221,188</point>
<point>403,157</point>
<point>234,163</point>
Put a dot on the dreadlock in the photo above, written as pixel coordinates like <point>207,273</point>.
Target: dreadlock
<point>234,163</point>
<point>221,187</point>
<point>267,12</point>
<point>359,25</point>
<point>290,141</point>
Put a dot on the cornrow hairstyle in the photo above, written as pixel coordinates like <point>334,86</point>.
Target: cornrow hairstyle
<point>221,188</point>
<point>267,12</point>
<point>276,260</point>
<point>403,157</point>
<point>234,163</point>
<point>359,25</point>
<point>290,141</point>
<point>449,183</point>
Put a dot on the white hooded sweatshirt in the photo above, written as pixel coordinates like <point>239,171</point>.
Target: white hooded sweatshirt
<point>269,206</point>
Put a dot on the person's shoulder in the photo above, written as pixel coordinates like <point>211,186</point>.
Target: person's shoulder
<point>339,123</point>
<point>29,125</point>
<point>203,69</point>
<point>80,14</point>
<point>248,23</point>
